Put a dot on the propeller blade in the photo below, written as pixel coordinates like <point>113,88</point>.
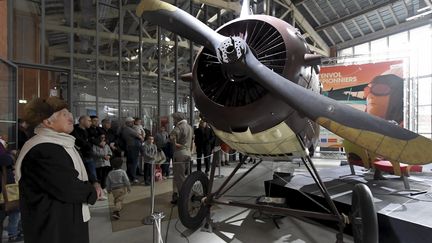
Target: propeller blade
<point>370,132</point>
<point>178,21</point>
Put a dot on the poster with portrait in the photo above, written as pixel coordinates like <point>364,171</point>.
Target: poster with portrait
<point>376,88</point>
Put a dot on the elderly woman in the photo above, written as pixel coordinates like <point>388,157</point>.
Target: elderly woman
<point>54,187</point>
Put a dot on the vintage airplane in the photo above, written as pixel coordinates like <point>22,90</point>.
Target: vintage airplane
<point>255,81</point>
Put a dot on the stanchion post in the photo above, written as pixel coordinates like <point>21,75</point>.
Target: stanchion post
<point>148,219</point>
<point>155,218</point>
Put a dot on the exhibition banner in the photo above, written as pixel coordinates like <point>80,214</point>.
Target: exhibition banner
<point>346,76</point>
<point>376,88</point>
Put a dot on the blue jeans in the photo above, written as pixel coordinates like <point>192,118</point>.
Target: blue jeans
<point>12,227</point>
<point>90,168</point>
<point>13,222</point>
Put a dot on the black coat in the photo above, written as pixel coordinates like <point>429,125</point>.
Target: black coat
<point>204,138</point>
<point>51,197</point>
<point>82,141</point>
<point>110,135</point>
<point>22,137</point>
<point>93,134</point>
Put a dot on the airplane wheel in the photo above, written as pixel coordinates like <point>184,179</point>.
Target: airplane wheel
<point>190,208</point>
<point>363,216</point>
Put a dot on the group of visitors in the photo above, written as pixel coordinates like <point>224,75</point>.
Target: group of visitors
<point>63,167</point>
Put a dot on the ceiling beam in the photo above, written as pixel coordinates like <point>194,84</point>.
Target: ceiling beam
<point>107,35</point>
<point>297,2</point>
<point>380,19</point>
<point>232,6</point>
<point>337,33</point>
<point>357,26</point>
<point>214,17</point>
<point>385,32</point>
<point>301,20</point>
<point>355,14</point>
<point>368,23</point>
<point>111,13</point>
<point>150,63</point>
<point>316,20</point>
<point>346,30</point>
<point>282,4</point>
<point>393,14</point>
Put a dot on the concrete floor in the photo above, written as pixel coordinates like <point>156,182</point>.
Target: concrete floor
<point>232,224</point>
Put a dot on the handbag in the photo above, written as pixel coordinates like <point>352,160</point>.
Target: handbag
<point>158,174</point>
<point>9,197</point>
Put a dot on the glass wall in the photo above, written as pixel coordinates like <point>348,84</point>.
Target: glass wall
<point>43,34</point>
<point>108,96</point>
<point>35,81</point>
<point>414,47</point>
<point>8,115</point>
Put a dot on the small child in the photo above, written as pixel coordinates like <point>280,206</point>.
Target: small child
<point>148,150</point>
<point>102,154</point>
<point>117,183</point>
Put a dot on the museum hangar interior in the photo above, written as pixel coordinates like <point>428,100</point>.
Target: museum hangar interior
<point>114,59</point>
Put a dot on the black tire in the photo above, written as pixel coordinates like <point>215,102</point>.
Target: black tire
<point>190,208</point>
<point>363,216</point>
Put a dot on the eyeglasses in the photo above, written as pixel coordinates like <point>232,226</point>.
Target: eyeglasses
<point>377,89</point>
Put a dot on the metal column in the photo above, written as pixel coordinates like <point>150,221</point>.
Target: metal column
<point>97,59</point>
<point>267,7</point>
<point>255,7</point>
<point>120,29</point>
<point>42,33</point>
<point>159,73</point>
<point>10,29</point>
<point>71,52</point>
<point>272,8</point>
<point>191,105</point>
<point>140,74</point>
<point>176,69</point>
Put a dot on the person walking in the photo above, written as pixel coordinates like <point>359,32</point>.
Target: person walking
<point>118,184</point>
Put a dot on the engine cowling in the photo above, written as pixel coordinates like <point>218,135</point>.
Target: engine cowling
<point>242,112</point>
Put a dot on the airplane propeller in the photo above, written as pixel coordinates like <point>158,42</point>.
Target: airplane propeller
<point>370,132</point>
